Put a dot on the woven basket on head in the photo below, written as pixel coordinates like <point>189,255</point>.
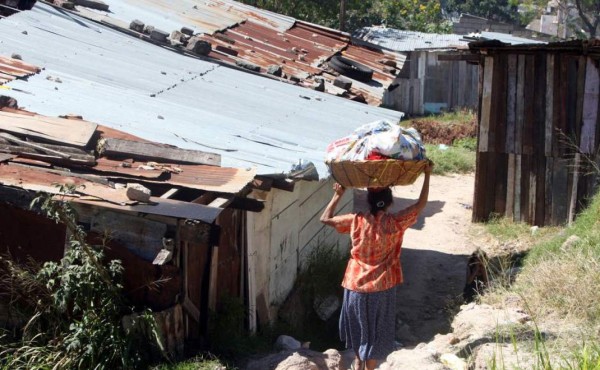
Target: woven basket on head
<point>376,173</point>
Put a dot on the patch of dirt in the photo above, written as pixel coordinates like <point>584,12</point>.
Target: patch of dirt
<point>435,132</point>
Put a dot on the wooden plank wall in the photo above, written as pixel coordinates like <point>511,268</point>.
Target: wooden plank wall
<point>535,110</point>
<point>429,80</point>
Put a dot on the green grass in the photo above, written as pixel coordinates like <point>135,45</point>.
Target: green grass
<point>451,160</point>
<point>559,287</point>
<point>463,117</point>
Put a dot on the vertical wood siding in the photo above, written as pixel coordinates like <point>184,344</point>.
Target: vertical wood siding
<point>537,109</point>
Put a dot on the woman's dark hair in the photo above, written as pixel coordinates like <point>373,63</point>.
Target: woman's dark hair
<point>379,199</point>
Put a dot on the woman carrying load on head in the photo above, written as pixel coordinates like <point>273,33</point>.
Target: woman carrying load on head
<point>367,320</point>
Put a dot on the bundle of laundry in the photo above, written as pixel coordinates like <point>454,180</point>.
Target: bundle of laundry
<point>381,139</point>
<point>377,154</point>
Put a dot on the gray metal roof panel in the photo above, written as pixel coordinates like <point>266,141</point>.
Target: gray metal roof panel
<point>505,38</point>
<point>203,16</point>
<point>125,83</point>
<point>399,40</point>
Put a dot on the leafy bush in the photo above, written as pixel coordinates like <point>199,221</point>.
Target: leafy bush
<point>73,309</point>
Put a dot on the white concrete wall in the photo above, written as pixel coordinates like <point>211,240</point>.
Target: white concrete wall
<point>281,237</point>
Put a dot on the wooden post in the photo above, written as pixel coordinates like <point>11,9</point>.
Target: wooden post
<point>342,15</point>
<point>212,283</point>
<point>486,94</point>
<point>251,265</point>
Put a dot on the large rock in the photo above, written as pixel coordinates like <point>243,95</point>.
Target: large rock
<point>138,192</point>
<point>198,46</point>
<point>137,25</point>
<point>415,359</point>
<point>302,359</point>
<point>285,342</point>
<point>503,355</point>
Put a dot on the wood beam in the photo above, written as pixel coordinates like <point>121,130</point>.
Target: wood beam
<point>156,152</point>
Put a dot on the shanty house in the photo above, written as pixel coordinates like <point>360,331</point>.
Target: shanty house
<point>438,74</point>
<point>261,203</point>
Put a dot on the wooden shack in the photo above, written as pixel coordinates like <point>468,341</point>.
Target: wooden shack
<point>433,81</point>
<point>539,130</point>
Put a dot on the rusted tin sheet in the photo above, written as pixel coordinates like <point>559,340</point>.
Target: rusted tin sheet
<point>38,180</point>
<point>4,78</point>
<point>17,63</point>
<point>302,53</point>
<point>374,59</point>
<point>11,69</point>
<point>211,178</point>
<point>208,178</point>
<point>128,168</point>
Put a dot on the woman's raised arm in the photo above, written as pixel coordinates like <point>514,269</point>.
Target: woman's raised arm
<point>330,209</point>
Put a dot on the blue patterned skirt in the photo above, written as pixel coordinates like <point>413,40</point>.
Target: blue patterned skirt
<point>368,323</point>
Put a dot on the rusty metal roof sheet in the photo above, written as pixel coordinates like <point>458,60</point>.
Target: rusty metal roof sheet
<point>11,69</point>
<point>201,177</point>
<point>202,16</point>
<point>302,53</point>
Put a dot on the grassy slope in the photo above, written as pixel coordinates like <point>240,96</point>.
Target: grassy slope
<point>560,286</point>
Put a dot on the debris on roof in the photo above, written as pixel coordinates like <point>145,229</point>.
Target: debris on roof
<point>33,159</point>
<point>252,39</point>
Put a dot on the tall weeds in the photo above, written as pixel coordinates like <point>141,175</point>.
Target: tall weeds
<point>70,311</point>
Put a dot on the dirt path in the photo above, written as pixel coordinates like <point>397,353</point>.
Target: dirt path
<point>434,258</point>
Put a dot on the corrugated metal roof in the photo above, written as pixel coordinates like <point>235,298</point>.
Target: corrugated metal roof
<point>202,16</point>
<point>11,69</point>
<point>404,41</point>
<point>166,97</point>
<point>399,40</point>
<point>302,52</point>
<point>502,37</point>
<point>263,39</point>
<point>589,47</point>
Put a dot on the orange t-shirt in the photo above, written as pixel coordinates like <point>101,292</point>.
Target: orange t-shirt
<point>374,263</point>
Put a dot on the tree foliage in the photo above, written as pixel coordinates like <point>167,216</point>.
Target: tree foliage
<point>582,16</point>
<point>415,15</point>
<point>497,10</point>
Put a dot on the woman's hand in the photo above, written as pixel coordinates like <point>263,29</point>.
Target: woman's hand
<point>429,168</point>
<point>338,189</point>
